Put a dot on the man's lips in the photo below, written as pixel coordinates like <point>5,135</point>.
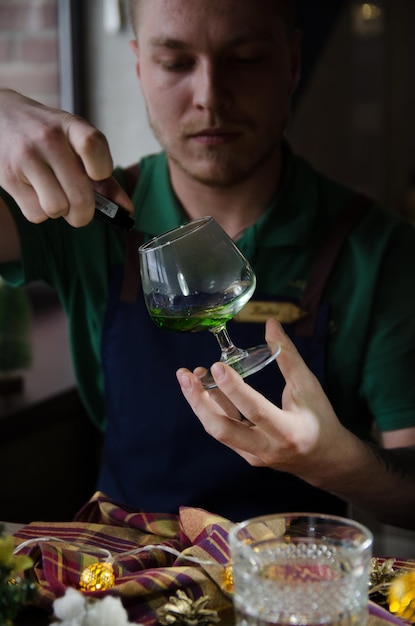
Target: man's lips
<point>213,136</point>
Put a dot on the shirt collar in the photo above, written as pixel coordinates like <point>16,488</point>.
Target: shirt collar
<point>285,222</point>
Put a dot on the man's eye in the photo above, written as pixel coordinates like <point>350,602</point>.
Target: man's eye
<point>176,66</point>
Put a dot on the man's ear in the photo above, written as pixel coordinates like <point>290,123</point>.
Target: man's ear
<point>134,47</point>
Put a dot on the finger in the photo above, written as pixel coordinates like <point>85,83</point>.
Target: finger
<point>250,403</point>
<point>28,202</point>
<point>226,405</point>
<point>38,173</point>
<point>91,146</point>
<point>200,399</point>
<point>206,404</point>
<point>232,433</point>
<point>274,334</point>
<point>67,195</point>
<point>66,191</point>
<point>82,156</point>
<point>55,172</point>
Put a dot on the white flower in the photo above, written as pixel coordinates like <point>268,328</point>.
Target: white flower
<point>70,608</point>
<point>74,609</point>
<point>108,612</point>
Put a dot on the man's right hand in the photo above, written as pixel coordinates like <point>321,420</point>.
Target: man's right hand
<point>51,160</point>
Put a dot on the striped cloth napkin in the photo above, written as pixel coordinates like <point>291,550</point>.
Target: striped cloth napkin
<point>187,552</point>
<point>144,580</point>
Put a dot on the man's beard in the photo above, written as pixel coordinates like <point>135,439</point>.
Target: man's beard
<point>215,169</point>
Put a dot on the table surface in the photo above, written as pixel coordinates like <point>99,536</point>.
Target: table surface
<point>11,527</point>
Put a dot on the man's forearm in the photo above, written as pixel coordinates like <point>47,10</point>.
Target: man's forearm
<point>381,482</point>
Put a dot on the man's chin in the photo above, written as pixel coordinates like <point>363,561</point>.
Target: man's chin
<point>212,175</point>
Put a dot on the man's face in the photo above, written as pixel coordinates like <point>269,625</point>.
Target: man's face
<point>217,77</point>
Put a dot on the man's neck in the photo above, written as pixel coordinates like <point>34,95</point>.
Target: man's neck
<point>235,208</point>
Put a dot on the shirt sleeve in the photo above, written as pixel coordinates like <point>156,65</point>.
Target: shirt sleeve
<point>389,361</point>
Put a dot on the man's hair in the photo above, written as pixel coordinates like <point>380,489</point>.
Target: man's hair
<point>285,8</point>
<point>134,10</point>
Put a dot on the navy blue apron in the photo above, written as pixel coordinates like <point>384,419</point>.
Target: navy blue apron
<point>157,455</point>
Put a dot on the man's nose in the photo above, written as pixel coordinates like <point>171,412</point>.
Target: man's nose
<point>211,90</point>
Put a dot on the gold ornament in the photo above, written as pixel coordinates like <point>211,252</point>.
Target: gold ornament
<point>227,579</point>
<point>97,577</point>
<point>401,596</point>
<point>180,609</point>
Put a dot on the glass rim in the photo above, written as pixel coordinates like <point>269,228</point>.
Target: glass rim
<point>367,535</point>
<point>163,239</point>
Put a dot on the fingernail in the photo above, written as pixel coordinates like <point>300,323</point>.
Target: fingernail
<point>218,371</point>
<point>185,382</point>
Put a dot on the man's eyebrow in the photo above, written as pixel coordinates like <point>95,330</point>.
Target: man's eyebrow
<point>247,38</point>
<point>167,42</point>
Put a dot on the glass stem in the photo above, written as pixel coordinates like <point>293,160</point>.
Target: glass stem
<point>229,352</point>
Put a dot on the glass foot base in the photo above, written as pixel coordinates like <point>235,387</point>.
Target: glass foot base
<point>252,360</point>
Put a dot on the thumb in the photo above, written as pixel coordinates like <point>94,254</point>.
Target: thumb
<point>290,362</point>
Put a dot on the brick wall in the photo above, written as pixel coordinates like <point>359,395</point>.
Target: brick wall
<point>29,51</point>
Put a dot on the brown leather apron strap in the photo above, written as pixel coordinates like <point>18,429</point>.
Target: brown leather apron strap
<point>131,278</point>
<point>324,263</point>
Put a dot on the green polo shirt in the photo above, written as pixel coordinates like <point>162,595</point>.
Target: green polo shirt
<point>371,341</point>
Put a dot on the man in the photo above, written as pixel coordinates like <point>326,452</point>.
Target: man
<point>217,78</point>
